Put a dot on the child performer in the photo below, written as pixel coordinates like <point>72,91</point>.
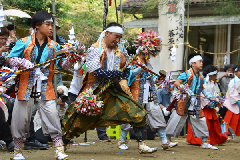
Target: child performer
<point>215,133</point>
<point>144,91</point>
<point>232,102</point>
<point>35,85</point>
<point>189,107</point>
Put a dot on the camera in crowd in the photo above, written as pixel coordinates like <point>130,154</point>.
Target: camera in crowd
<point>230,74</point>
<point>63,97</point>
<point>11,45</point>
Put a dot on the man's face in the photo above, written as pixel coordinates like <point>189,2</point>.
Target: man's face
<point>112,38</point>
<point>45,28</point>
<point>3,40</point>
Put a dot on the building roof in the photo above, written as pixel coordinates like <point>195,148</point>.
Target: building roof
<point>130,3</point>
<point>193,21</point>
<point>133,7</point>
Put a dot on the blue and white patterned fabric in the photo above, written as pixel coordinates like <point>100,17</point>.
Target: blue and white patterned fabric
<point>183,76</point>
<point>18,50</point>
<point>93,59</point>
<point>107,74</point>
<point>126,74</point>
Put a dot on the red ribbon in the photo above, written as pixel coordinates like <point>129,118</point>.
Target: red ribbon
<point>110,2</point>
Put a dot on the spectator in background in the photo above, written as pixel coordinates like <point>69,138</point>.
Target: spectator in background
<point>31,31</point>
<point>75,84</point>
<point>62,99</point>
<point>164,97</point>
<point>4,49</point>
<point>12,34</point>
<point>224,81</point>
<point>60,40</point>
<point>162,75</point>
<point>226,78</point>
<point>5,132</point>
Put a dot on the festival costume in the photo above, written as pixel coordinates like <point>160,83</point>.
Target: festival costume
<point>189,107</point>
<point>232,116</point>
<point>75,83</point>
<point>144,91</point>
<point>224,82</point>
<point>35,87</point>
<point>119,107</point>
<point>215,132</point>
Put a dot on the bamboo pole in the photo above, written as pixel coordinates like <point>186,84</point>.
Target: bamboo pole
<point>121,12</point>
<point>186,60</point>
<point>54,38</point>
<point>238,52</point>
<point>187,38</point>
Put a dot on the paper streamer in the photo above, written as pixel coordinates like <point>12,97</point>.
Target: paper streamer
<point>148,42</point>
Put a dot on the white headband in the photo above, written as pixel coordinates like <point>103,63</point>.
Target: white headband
<point>115,29</point>
<point>210,74</point>
<point>195,59</point>
<point>48,20</point>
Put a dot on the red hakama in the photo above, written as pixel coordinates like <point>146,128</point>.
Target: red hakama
<point>215,132</point>
<point>234,121</point>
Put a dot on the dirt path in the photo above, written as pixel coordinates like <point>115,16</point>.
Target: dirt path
<point>109,151</point>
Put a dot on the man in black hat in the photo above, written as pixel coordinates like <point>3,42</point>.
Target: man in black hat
<point>59,39</point>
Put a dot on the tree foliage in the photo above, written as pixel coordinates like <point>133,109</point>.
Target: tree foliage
<point>86,16</point>
<point>34,5</point>
<point>226,8</point>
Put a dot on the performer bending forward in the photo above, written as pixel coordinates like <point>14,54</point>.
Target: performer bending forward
<point>104,61</point>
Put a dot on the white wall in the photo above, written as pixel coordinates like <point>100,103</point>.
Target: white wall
<point>174,24</point>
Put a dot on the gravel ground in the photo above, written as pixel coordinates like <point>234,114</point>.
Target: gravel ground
<point>101,150</point>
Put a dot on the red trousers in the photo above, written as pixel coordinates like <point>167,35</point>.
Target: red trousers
<point>215,132</point>
<point>234,121</point>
